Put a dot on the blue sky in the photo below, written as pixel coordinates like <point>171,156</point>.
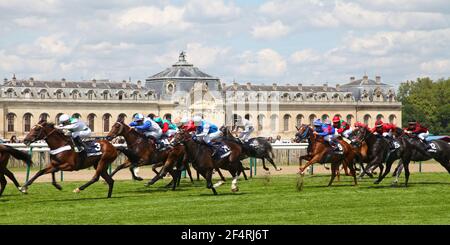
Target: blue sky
<point>291,41</point>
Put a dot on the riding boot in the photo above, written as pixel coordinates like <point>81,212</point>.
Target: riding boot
<point>79,144</point>
<point>82,155</point>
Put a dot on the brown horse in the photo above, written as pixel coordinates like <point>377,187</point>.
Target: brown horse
<point>5,153</point>
<point>141,151</point>
<point>322,153</point>
<point>64,158</point>
<point>202,160</point>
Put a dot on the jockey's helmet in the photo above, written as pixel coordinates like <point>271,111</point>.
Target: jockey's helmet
<point>138,117</point>
<point>184,120</point>
<point>197,120</point>
<point>64,118</point>
<point>412,122</point>
<point>336,119</point>
<point>177,121</point>
<point>378,123</point>
<point>327,122</point>
<point>317,123</point>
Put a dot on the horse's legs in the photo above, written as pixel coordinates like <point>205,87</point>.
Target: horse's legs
<point>2,183</point>
<point>54,181</point>
<point>264,165</point>
<point>406,166</point>
<point>234,187</point>
<point>352,166</point>
<point>41,172</point>
<point>11,176</point>
<point>102,165</point>
<point>386,171</point>
<point>109,180</point>
<point>334,169</point>
<point>208,177</point>
<point>220,174</point>
<point>120,167</point>
<point>310,162</point>
<point>242,170</point>
<point>133,173</point>
<point>273,163</point>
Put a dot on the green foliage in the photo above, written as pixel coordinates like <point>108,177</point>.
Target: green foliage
<point>425,201</point>
<point>428,102</point>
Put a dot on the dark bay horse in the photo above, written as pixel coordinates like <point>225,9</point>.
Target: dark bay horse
<point>258,147</point>
<point>200,155</point>
<point>5,153</point>
<point>322,153</point>
<point>412,149</point>
<point>142,151</point>
<point>64,158</point>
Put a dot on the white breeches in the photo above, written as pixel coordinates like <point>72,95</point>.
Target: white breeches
<point>156,134</point>
<point>347,133</point>
<point>171,132</point>
<point>246,134</point>
<point>328,137</point>
<point>82,134</point>
<point>423,136</point>
<point>212,136</point>
<point>387,134</point>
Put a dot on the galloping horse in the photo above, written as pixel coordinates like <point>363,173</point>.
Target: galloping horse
<point>202,160</point>
<point>258,147</point>
<point>5,153</point>
<point>142,151</point>
<point>321,153</point>
<point>64,158</point>
<point>412,150</point>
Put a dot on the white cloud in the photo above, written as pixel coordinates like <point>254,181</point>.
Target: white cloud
<point>303,56</point>
<point>212,9</point>
<point>441,66</point>
<point>203,56</point>
<point>273,30</point>
<point>30,21</point>
<point>169,16</point>
<point>265,62</point>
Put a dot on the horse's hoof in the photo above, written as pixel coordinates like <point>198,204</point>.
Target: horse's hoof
<point>235,189</point>
<point>138,179</point>
<point>77,190</point>
<point>376,182</point>
<point>218,184</point>
<point>278,169</point>
<point>24,190</point>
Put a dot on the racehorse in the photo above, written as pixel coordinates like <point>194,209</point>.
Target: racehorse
<point>5,153</point>
<point>322,153</point>
<point>142,151</point>
<point>64,158</point>
<point>202,160</point>
<point>258,147</point>
<point>412,150</point>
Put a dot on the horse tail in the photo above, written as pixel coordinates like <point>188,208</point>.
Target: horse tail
<point>130,154</point>
<point>20,155</point>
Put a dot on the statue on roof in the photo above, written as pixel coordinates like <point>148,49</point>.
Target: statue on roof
<point>182,57</point>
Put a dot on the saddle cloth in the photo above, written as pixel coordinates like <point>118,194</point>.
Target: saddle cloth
<point>93,148</point>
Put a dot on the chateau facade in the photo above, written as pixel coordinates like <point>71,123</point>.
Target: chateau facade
<point>184,90</point>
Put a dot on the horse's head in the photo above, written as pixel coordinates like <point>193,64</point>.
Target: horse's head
<point>303,132</point>
<point>397,132</point>
<point>40,131</point>
<point>180,137</point>
<point>359,135</point>
<point>119,128</point>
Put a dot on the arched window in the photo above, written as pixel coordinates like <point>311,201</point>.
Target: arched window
<point>325,117</point>
<point>286,119</point>
<point>27,122</point>
<point>105,94</point>
<point>106,120</point>
<point>349,119</point>
<point>59,94</point>
<point>90,94</point>
<point>298,120</point>
<point>43,93</point>
<point>121,117</point>
<point>75,94</point>
<point>91,121</point>
<point>260,122</point>
<point>27,93</point>
<point>11,117</point>
<point>120,93</point>
<point>135,95</point>
<point>312,117</point>
<point>236,119</point>
<point>168,116</point>
<point>367,118</point>
<point>273,122</point>
<point>44,116</point>
<point>10,93</point>
<point>57,117</point>
<point>380,117</point>
<point>392,119</point>
<point>76,115</point>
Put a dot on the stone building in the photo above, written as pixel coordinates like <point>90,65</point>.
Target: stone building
<point>184,90</point>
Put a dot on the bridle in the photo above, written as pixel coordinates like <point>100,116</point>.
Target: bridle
<point>42,131</point>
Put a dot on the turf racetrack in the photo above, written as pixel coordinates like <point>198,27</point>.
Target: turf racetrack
<point>259,201</point>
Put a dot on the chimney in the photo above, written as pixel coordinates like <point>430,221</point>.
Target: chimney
<point>378,79</point>
<point>94,83</point>
<point>139,84</point>
<point>249,85</point>
<point>325,87</point>
<point>124,84</point>
<point>14,80</point>
<point>63,82</point>
<point>300,87</point>
<point>31,81</point>
<point>235,85</point>
<point>224,85</point>
<point>338,87</point>
<point>274,86</point>
<point>5,81</point>
<point>365,79</point>
<point>352,79</point>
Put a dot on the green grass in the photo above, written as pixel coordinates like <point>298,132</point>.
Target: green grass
<point>259,201</point>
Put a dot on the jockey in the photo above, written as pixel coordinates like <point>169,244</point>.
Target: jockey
<point>317,126</point>
<point>344,130</point>
<point>168,128</point>
<point>248,129</point>
<point>337,124</point>
<point>146,126</point>
<point>209,132</point>
<point>360,125</point>
<point>420,131</point>
<point>329,134</point>
<point>77,129</point>
<point>187,125</point>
